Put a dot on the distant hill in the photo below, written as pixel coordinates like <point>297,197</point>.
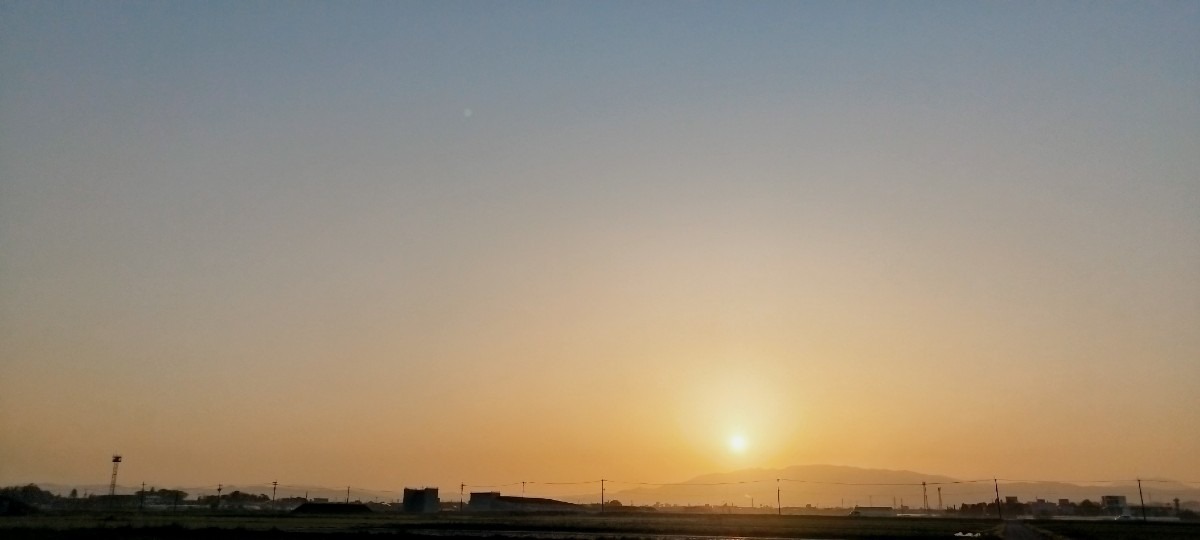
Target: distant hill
<point>831,485</point>
<point>816,485</point>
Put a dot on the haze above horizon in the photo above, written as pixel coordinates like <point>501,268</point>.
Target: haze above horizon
<point>423,242</point>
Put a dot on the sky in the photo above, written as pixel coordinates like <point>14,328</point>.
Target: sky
<point>390,244</point>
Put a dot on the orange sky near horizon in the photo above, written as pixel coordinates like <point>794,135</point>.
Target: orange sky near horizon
<point>428,244</point>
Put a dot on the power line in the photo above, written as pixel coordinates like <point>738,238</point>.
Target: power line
<point>570,483</point>
<point>491,485</point>
<point>1065,481</point>
<point>688,483</point>
<point>605,485</point>
<point>881,484</point>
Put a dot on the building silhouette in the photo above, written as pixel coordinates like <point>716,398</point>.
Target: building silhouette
<point>493,501</point>
<point>421,500</point>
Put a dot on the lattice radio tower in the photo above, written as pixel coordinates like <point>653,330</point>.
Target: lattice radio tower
<point>112,486</point>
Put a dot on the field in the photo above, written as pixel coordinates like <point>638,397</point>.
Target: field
<point>445,526</point>
<point>1113,530</point>
<point>560,527</point>
<point>489,526</point>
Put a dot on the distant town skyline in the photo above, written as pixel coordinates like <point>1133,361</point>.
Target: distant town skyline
<point>818,486</point>
<point>421,243</point>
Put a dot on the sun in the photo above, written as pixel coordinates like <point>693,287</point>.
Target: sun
<point>737,444</point>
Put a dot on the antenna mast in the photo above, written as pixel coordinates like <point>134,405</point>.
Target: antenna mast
<point>112,485</point>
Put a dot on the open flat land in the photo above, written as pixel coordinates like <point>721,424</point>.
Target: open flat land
<point>1114,530</point>
<point>443,526</point>
<point>562,527</point>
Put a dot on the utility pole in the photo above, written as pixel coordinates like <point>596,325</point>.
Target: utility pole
<point>1143,499</point>
<point>778,507</point>
<point>274,485</point>
<point>601,495</point>
<point>939,498</point>
<point>461,487</point>
<point>925,496</point>
<point>142,497</point>
<point>999,509</point>
<point>522,489</point>
<point>347,494</point>
<point>219,486</point>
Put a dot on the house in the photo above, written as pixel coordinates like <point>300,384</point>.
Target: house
<point>1042,507</point>
<point>1114,504</point>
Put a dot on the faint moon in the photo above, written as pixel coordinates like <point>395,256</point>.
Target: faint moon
<point>467,113</point>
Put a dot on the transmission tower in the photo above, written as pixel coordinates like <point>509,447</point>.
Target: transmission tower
<point>112,485</point>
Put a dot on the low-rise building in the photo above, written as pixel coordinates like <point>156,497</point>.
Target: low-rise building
<point>1114,504</point>
<point>493,501</point>
<point>421,500</point>
<point>1041,507</point>
<point>873,511</point>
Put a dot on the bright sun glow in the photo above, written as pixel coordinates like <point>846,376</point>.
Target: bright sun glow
<point>737,443</point>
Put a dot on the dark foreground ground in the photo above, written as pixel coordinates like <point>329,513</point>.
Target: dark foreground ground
<point>563,527</point>
<point>1117,530</point>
